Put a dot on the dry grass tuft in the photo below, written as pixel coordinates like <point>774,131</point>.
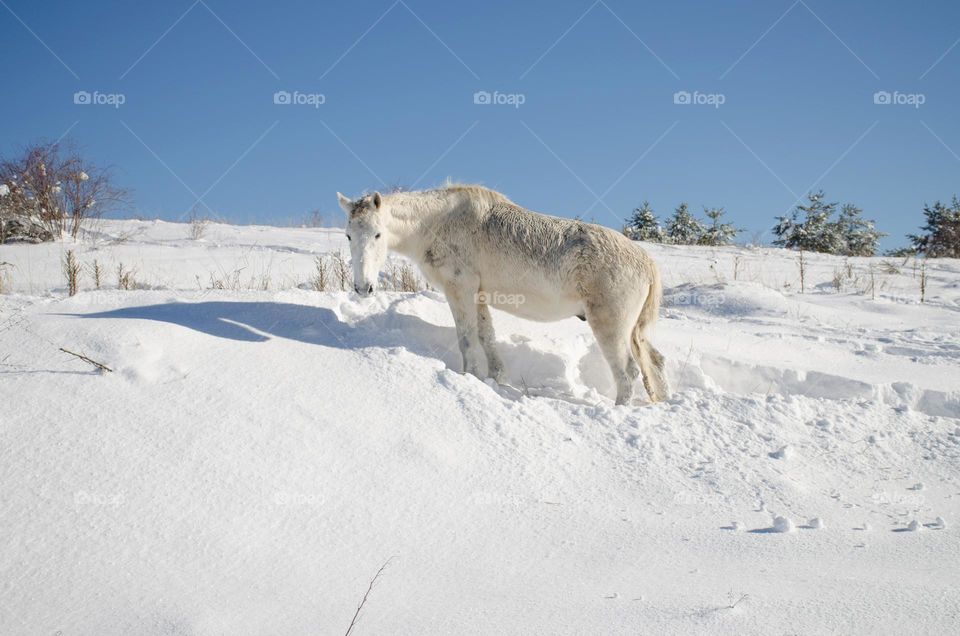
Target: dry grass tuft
<point>71,271</point>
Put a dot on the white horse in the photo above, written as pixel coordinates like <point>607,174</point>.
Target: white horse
<point>483,250</point>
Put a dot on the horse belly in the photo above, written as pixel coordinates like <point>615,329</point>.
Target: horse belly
<point>537,300</point>
<point>541,310</point>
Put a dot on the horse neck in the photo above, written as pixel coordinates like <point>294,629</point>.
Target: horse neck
<point>412,217</point>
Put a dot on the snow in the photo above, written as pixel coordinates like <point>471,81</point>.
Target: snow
<point>258,452</point>
<point>782,525</point>
<point>4,189</point>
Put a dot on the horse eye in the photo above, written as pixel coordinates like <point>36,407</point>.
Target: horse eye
<point>348,238</point>
<point>377,236</point>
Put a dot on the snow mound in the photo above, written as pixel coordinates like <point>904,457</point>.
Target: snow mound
<point>728,300</point>
<point>256,455</point>
<point>782,525</point>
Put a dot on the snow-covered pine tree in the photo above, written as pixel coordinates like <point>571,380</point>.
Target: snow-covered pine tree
<point>682,228</point>
<point>643,225</point>
<point>815,233</point>
<point>858,236</point>
<point>941,237</point>
<point>820,234</point>
<point>717,232</point>
<point>786,230</point>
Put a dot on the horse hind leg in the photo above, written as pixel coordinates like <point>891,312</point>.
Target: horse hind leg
<point>613,337</point>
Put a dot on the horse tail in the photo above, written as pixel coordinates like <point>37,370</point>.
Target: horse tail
<point>651,306</point>
<point>650,360</point>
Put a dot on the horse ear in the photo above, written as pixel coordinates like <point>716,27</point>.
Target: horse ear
<point>345,203</point>
<point>377,200</point>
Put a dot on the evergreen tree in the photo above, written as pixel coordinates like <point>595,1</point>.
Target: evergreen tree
<point>717,232</point>
<point>815,232</point>
<point>858,236</point>
<point>787,232</point>
<point>819,234</point>
<point>682,228</point>
<point>941,237</point>
<point>643,225</point>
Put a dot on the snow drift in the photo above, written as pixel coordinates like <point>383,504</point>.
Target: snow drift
<point>257,455</point>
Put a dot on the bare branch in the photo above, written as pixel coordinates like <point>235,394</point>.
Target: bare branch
<point>103,367</point>
<point>356,614</point>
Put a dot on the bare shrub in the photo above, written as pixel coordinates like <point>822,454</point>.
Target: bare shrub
<point>198,225</point>
<point>226,280</point>
<point>837,280</point>
<point>409,281</point>
<point>392,276</point>
<point>50,190</point>
<point>125,278</point>
<point>402,277</point>
<point>96,271</point>
<point>320,281</point>
<point>71,271</point>
<point>341,271</point>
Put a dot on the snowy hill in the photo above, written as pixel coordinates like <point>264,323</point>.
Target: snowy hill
<point>260,450</point>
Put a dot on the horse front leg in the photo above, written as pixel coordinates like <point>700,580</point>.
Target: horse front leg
<point>488,340</point>
<point>461,296</point>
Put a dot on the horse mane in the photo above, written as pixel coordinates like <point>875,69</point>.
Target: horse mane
<point>415,200</point>
<point>474,189</point>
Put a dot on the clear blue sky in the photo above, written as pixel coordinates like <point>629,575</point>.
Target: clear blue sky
<point>597,82</point>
